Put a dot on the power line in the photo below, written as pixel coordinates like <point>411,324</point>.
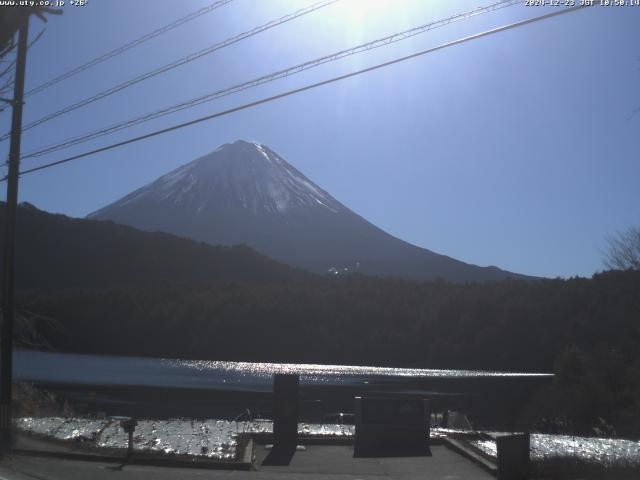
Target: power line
<point>127,46</point>
<point>390,39</point>
<point>305,88</point>
<point>8,82</point>
<point>177,63</point>
<point>12,63</point>
<point>10,69</point>
<point>10,46</point>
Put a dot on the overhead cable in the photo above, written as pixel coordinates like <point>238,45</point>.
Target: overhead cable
<point>389,39</point>
<point>175,64</point>
<point>303,89</point>
<point>127,46</point>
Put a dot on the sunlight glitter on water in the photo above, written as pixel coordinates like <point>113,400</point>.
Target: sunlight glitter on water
<point>80,369</point>
<point>311,370</point>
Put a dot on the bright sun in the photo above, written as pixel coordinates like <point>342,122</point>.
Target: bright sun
<point>356,20</point>
<point>357,16</point>
<point>357,10</point>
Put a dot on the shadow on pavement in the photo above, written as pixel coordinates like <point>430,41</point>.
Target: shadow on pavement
<point>280,456</point>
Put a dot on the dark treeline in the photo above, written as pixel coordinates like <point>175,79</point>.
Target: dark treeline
<point>585,330</point>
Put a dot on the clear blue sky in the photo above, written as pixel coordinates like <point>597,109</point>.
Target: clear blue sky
<point>514,150</point>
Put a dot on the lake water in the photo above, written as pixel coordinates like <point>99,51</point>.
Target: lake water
<point>76,369</point>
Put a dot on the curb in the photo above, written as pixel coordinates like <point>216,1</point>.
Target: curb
<point>246,463</point>
<point>466,452</point>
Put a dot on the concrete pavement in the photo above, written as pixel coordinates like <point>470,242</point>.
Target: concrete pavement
<point>316,462</point>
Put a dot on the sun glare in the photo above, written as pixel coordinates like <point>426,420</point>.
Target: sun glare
<point>363,7</point>
<point>359,10</point>
<point>356,16</point>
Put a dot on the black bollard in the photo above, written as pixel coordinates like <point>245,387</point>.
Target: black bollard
<point>129,426</point>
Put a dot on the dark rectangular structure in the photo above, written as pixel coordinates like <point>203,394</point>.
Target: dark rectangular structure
<point>513,456</point>
<point>285,410</point>
<point>391,426</point>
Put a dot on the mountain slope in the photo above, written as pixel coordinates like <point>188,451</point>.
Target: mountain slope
<point>55,251</point>
<point>245,193</point>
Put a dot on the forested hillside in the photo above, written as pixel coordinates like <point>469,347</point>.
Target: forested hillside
<point>56,251</point>
<point>586,330</point>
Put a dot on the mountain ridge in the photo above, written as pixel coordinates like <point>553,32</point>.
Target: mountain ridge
<point>245,193</point>
<point>57,251</point>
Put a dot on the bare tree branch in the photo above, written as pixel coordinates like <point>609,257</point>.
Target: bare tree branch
<point>624,250</point>
<point>29,327</point>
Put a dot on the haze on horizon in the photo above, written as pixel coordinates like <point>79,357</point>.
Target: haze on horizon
<point>518,150</point>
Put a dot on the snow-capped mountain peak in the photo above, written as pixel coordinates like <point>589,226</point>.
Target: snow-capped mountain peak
<point>245,193</point>
<point>239,175</point>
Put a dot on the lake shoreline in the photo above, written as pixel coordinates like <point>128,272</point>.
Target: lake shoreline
<point>162,388</point>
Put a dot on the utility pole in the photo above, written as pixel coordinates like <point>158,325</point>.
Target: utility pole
<point>8,284</point>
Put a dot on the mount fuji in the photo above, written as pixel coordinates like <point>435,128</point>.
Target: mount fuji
<point>245,193</point>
